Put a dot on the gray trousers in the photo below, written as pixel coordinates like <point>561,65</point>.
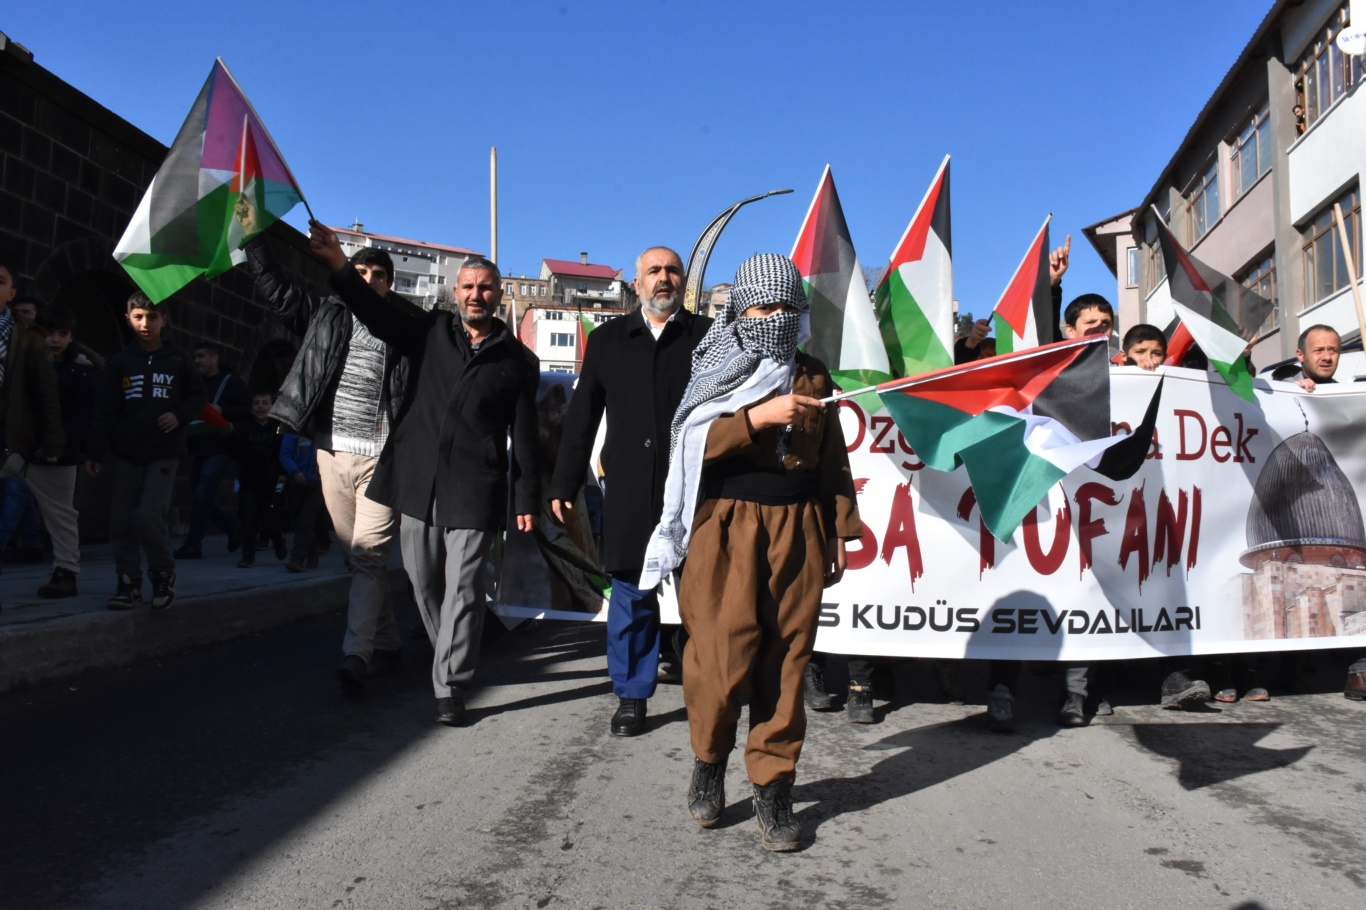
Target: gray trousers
<point>139,511</point>
<point>446,567</point>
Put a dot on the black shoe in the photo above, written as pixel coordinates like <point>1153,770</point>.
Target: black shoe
<point>1180,691</point>
<point>813,689</point>
<point>630,717</point>
<point>948,679</point>
<point>128,595</point>
<point>1355,687</point>
<point>163,590</point>
<point>450,711</point>
<point>281,548</point>
<point>859,707</point>
<point>384,663</point>
<point>234,541</point>
<point>707,792</point>
<point>1001,709</point>
<point>1073,713</point>
<point>778,827</point>
<point>188,552</point>
<point>247,561</point>
<point>62,584</point>
<point>351,674</point>
<point>312,561</point>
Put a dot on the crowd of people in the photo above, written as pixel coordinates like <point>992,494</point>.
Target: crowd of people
<point>394,421</point>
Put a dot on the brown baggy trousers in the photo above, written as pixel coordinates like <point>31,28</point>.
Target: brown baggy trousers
<point>749,598</point>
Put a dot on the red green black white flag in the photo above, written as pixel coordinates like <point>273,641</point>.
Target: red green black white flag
<point>844,328</point>
<point>914,298</point>
<point>1022,315</point>
<point>1220,314</point>
<point>187,223</point>
<point>1019,423</point>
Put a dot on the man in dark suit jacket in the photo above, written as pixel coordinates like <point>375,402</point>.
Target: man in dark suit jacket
<point>636,367</point>
<point>445,466</point>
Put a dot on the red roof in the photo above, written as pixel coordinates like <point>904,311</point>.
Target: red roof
<point>404,240</point>
<point>579,270</point>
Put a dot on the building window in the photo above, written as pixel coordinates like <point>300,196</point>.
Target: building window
<point>1325,73</point>
<point>1204,203</point>
<point>1260,278</point>
<point>1325,268</point>
<point>559,368</point>
<point>1155,270</point>
<point>1251,155</point>
<point>561,339</point>
<point>1131,278</point>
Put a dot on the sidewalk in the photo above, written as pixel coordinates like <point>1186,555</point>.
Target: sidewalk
<point>43,640</point>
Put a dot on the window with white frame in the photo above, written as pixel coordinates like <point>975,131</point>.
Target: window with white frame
<point>1204,203</point>
<point>1154,270</point>
<point>1325,72</point>
<point>1325,266</point>
<point>1250,152</point>
<point>561,339</point>
<point>1260,277</point>
<point>1131,274</point>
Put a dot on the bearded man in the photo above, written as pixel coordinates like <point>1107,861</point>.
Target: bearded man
<point>636,368</point>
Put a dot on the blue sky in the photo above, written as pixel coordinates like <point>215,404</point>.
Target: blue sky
<point>625,124</point>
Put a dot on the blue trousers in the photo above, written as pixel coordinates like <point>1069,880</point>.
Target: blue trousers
<point>632,639</point>
<point>208,476</point>
<point>18,511</point>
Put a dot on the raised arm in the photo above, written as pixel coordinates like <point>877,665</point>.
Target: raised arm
<point>389,318</point>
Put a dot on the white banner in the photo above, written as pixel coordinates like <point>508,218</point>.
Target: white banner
<point>1242,532</point>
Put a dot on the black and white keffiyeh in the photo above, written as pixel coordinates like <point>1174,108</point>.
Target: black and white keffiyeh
<point>738,362</point>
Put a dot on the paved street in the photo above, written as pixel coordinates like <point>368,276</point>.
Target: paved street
<point>236,775</point>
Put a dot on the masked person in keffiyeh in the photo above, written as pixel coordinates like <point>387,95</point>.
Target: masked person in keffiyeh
<point>764,464</point>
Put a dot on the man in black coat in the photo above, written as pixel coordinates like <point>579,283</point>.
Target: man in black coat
<point>445,466</point>
<point>635,367</point>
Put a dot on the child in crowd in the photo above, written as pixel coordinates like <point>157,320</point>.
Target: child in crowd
<point>149,394</point>
<point>1144,346</point>
<point>299,459</point>
<point>54,482</point>
<point>257,442</point>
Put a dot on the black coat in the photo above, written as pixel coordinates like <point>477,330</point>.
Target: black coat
<point>136,389</point>
<point>325,325</point>
<point>639,382</point>
<point>449,445</point>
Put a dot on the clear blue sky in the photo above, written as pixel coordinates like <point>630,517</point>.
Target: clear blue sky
<point>625,124</point>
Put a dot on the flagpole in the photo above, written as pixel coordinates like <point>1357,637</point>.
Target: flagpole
<point>269,138</point>
<point>1351,268</point>
<point>906,381</point>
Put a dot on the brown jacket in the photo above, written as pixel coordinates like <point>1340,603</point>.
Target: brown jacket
<point>817,444</point>
<point>31,409</point>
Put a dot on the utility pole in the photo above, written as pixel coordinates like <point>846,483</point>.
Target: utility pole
<point>493,205</point>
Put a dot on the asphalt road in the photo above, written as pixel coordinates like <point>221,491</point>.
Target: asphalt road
<point>238,776</point>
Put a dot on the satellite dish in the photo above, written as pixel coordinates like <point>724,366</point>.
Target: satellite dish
<point>1352,40</point>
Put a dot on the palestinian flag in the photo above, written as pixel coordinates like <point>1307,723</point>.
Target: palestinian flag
<point>844,331</point>
<point>914,298</point>
<point>585,326</point>
<point>185,225</point>
<point>1220,314</point>
<point>1022,315</point>
<point>1020,423</point>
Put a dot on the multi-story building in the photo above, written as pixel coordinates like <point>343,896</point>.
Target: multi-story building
<point>555,333</point>
<point>583,284</point>
<point>521,292</point>
<point>1250,190</point>
<point>421,269</point>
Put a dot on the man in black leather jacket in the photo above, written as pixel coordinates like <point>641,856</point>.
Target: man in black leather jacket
<point>344,391</point>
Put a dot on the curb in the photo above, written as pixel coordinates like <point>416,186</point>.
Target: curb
<point>50,649</point>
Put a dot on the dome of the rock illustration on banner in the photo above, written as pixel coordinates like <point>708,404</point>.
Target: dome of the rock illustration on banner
<point>1306,547</point>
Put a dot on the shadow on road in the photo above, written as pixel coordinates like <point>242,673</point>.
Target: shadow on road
<point>921,758</point>
<point>103,767</point>
<point>1213,753</point>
